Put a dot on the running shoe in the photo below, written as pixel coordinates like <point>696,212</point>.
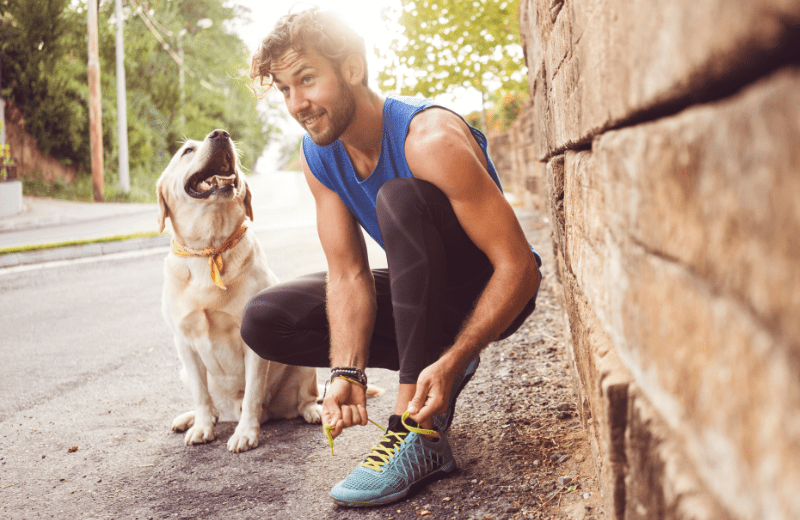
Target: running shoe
<point>443,420</point>
<point>403,462</point>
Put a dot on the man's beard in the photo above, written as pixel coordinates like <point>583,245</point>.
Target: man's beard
<point>339,117</point>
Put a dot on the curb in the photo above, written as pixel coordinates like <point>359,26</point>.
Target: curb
<point>50,221</point>
<point>81,251</point>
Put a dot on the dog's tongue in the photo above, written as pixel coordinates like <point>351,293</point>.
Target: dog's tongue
<point>216,180</point>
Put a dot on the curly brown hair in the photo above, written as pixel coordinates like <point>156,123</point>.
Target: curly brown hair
<point>323,31</point>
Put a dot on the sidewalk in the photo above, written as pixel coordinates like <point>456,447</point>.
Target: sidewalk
<point>51,221</point>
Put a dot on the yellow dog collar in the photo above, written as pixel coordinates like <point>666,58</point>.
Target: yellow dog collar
<point>214,254</point>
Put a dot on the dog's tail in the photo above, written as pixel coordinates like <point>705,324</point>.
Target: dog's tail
<point>374,391</point>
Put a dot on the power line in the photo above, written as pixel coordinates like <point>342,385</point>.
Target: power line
<point>150,21</point>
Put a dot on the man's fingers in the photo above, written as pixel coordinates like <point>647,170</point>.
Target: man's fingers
<point>363,414</point>
<point>347,415</point>
<point>337,429</point>
<point>427,411</point>
<point>419,402</point>
<point>343,408</point>
<point>332,420</point>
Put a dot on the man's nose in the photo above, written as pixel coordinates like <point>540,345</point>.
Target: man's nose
<point>297,102</point>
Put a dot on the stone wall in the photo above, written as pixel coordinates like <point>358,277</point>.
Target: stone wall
<point>514,155</point>
<point>668,137</point>
<point>26,152</point>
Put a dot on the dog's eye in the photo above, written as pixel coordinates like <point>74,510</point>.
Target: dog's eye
<point>187,150</point>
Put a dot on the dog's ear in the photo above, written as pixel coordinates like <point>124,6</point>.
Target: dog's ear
<point>163,210</point>
<point>248,200</point>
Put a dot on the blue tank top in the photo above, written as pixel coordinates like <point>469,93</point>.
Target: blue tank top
<point>332,167</point>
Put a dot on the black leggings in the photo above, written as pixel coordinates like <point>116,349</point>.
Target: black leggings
<point>435,277</point>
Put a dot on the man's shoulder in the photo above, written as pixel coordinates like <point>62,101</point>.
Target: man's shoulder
<point>414,102</point>
<point>434,124</point>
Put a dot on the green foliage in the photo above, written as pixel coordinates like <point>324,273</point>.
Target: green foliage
<point>504,111</point>
<point>44,52</point>
<point>452,43</point>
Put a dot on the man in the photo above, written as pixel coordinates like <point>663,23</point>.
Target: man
<point>461,273</point>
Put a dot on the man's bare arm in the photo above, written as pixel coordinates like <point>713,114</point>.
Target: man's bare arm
<point>440,149</point>
<point>351,303</point>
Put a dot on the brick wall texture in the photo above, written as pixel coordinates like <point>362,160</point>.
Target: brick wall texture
<point>663,138</point>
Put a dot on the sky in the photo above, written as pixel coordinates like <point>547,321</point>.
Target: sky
<point>364,16</point>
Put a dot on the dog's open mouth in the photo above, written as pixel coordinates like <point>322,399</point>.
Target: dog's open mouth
<point>214,177</point>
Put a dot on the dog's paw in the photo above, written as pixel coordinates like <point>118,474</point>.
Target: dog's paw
<point>183,422</point>
<point>243,440</point>
<point>312,413</point>
<point>199,434</point>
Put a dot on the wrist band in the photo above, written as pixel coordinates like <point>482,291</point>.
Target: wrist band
<point>351,373</point>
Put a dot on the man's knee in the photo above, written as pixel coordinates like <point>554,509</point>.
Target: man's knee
<point>406,197</point>
<point>258,328</point>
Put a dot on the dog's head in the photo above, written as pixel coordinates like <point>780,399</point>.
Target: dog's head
<point>203,180</point>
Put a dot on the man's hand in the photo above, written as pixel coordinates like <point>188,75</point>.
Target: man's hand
<point>345,405</point>
<point>433,390</point>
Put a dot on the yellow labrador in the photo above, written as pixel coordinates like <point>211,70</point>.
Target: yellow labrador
<point>214,268</point>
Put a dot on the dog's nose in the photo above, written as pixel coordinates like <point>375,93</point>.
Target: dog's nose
<point>219,134</point>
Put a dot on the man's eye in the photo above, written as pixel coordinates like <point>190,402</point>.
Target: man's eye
<point>308,79</point>
<point>187,150</point>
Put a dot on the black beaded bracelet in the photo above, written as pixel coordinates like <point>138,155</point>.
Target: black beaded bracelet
<point>353,373</point>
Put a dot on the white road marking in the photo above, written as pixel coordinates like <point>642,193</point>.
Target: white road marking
<point>87,260</point>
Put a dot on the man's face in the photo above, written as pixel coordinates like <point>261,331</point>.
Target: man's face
<point>315,93</point>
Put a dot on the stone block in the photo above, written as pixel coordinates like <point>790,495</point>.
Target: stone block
<point>683,236</point>
<point>716,189</point>
<point>601,64</point>
<point>660,482</point>
<point>514,157</point>
<point>603,391</point>
<point>644,472</point>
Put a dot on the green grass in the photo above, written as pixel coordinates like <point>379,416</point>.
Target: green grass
<point>23,249</point>
<point>142,188</point>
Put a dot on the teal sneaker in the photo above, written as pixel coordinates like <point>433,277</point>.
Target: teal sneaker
<point>443,420</point>
<point>403,462</point>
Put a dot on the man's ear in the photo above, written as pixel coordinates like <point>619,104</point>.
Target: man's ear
<point>163,210</point>
<point>353,69</point>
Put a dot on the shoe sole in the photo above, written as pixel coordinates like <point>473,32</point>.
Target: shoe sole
<point>412,489</point>
<point>467,379</point>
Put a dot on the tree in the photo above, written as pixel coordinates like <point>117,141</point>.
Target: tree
<point>452,43</point>
<point>41,77</point>
<point>44,68</point>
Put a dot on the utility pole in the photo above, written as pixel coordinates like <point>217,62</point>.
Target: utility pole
<point>181,80</point>
<point>122,105</point>
<point>95,114</point>
<point>2,107</point>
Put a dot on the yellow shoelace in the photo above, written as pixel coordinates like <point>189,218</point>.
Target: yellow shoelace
<point>383,453</point>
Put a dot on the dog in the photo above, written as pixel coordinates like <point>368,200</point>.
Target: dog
<point>215,266</point>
